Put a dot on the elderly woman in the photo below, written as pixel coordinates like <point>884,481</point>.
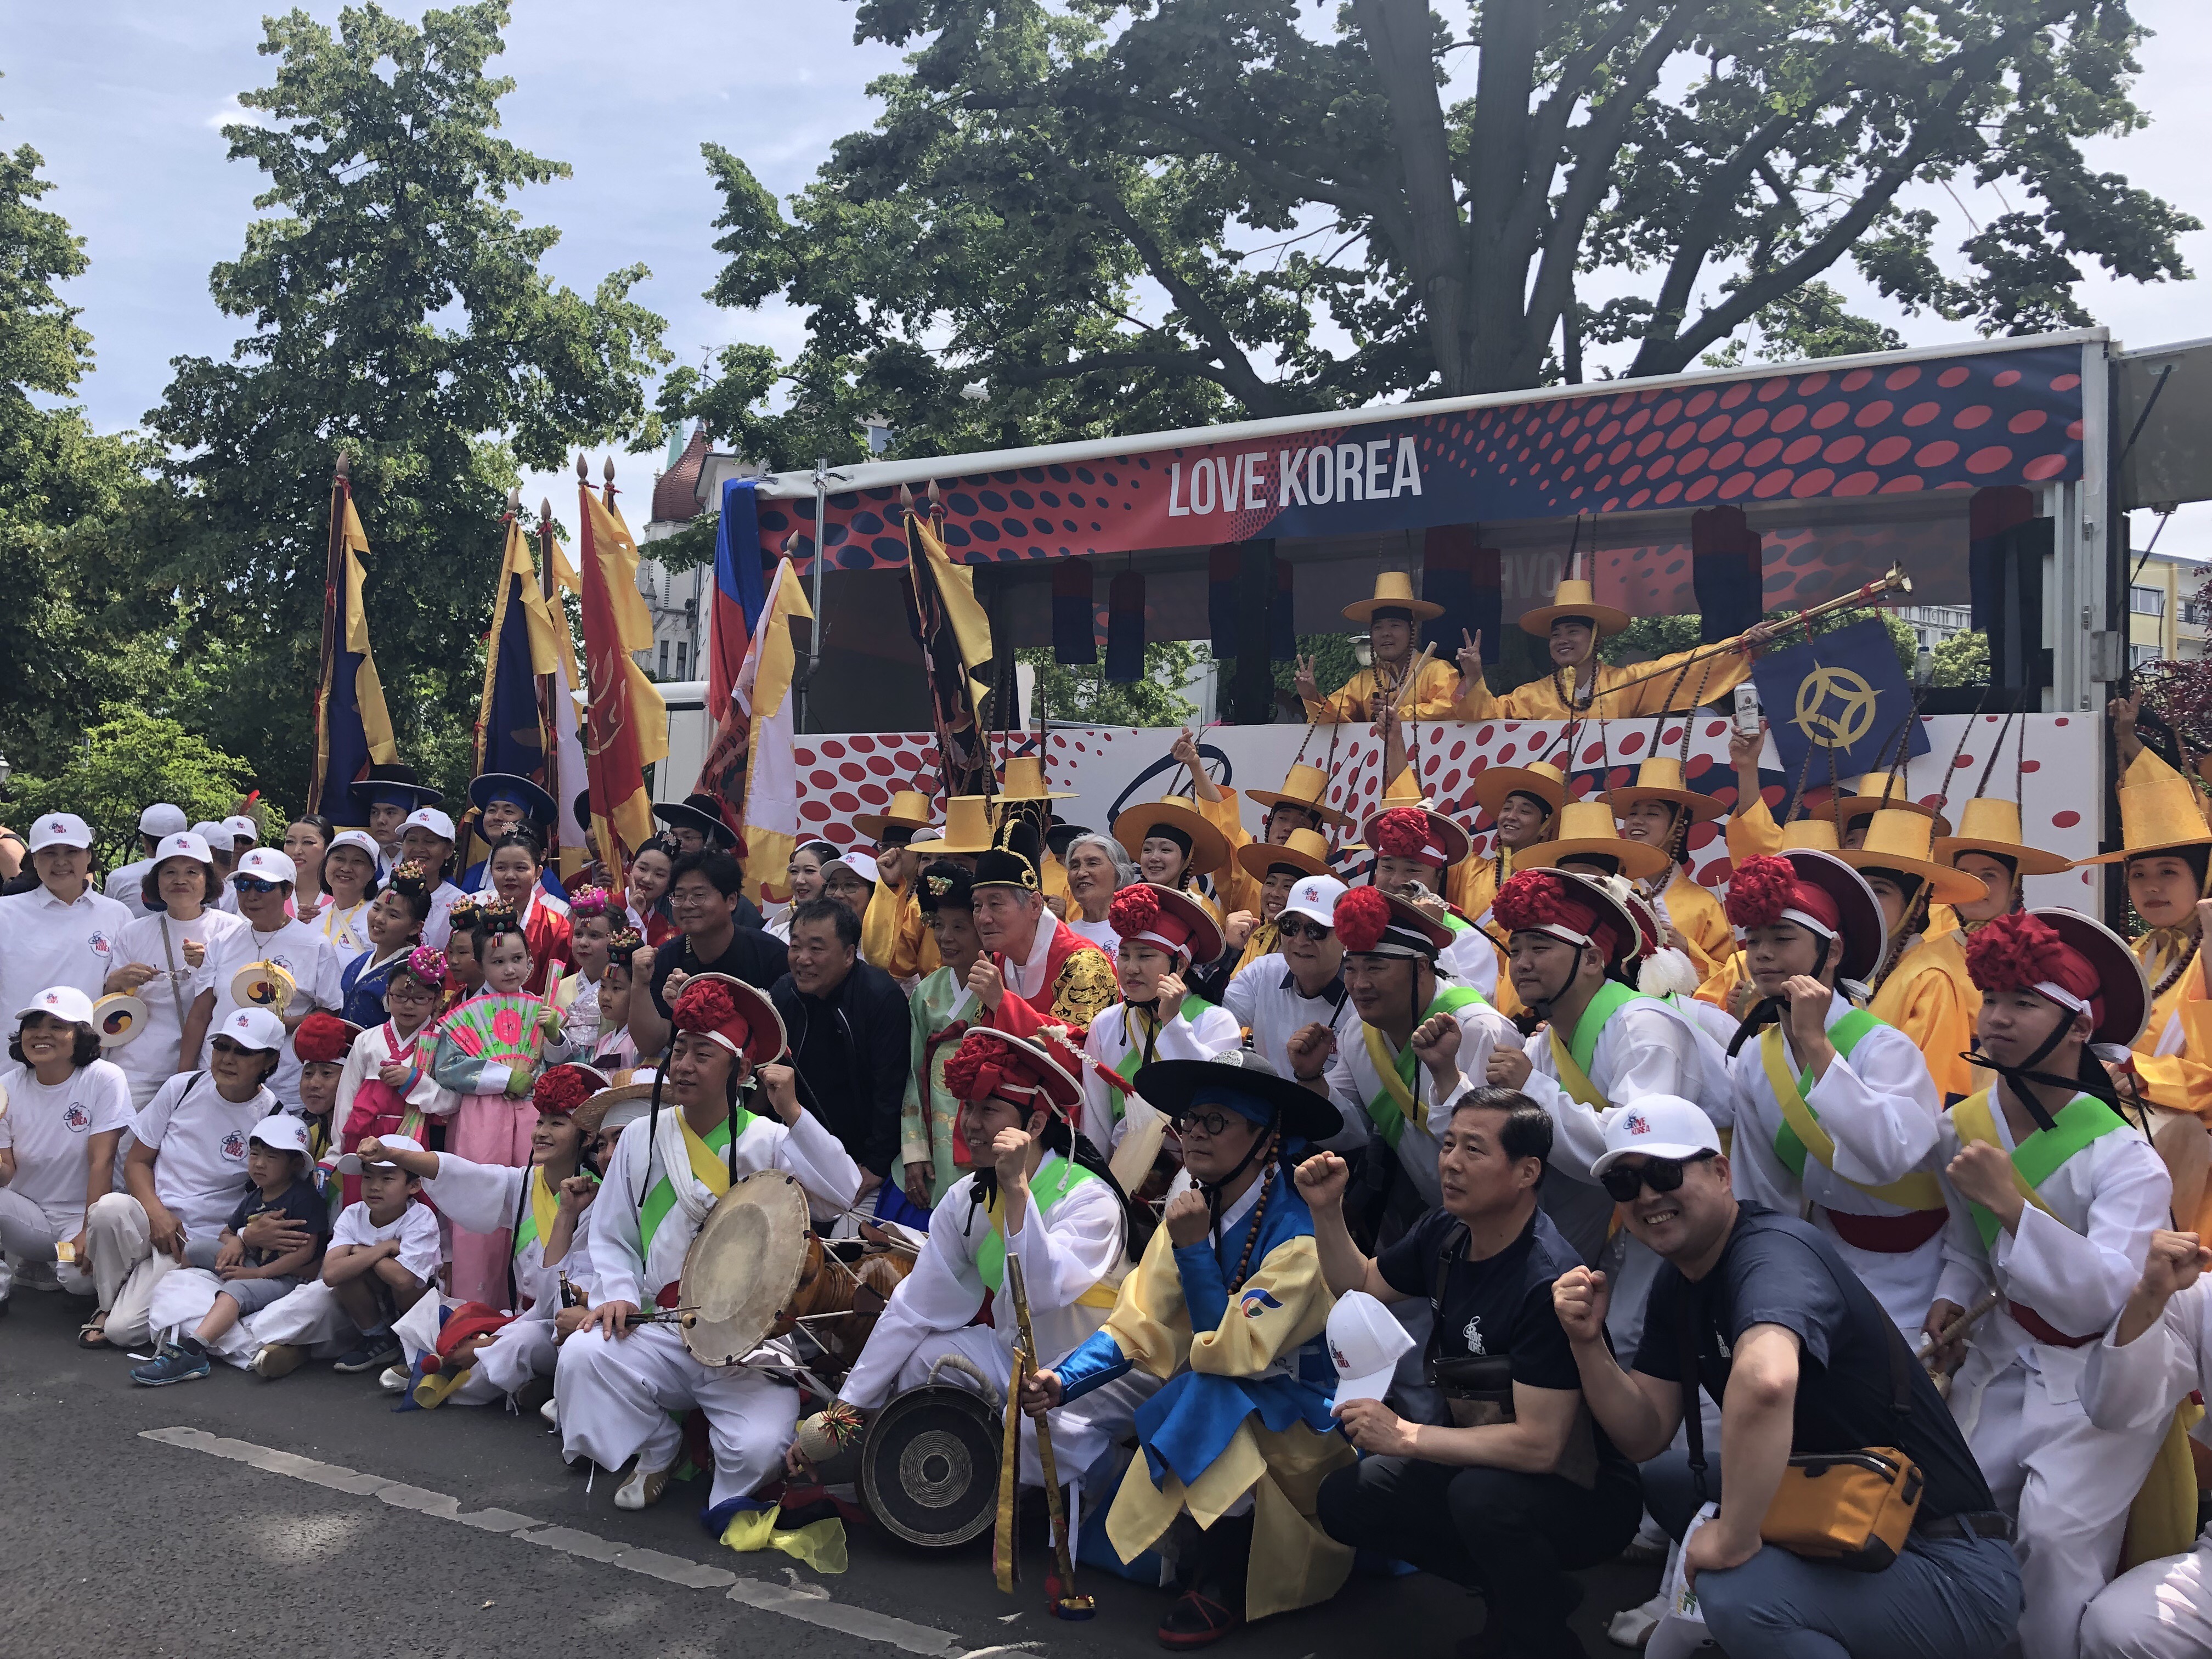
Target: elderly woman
<point>160,952</point>
<point>1097,868</point>
<point>67,1110</point>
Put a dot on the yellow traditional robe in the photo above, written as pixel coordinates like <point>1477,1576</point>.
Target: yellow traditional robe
<point>1696,912</point>
<point>1930,998</point>
<point>1472,891</point>
<point>894,936</point>
<point>1538,700</point>
<point>1237,890</point>
<point>1435,695</point>
<point>1752,832</point>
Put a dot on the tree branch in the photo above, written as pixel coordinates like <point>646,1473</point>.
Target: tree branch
<point>1194,362</point>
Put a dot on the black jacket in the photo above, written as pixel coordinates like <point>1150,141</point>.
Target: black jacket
<point>850,1050</point>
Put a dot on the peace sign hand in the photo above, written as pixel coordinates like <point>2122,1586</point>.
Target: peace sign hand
<point>1470,655</point>
<point>1307,686</point>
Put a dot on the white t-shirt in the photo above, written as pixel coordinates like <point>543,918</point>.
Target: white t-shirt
<point>300,952</point>
<point>48,943</point>
<point>51,1130</point>
<point>126,886</point>
<point>150,1060</point>
<point>1100,933</point>
<point>438,926</point>
<point>416,1229</point>
<point>199,1142</point>
<point>346,929</point>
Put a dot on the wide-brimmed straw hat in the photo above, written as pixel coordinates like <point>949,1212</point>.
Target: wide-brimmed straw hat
<point>1306,786</point>
<point>1661,778</point>
<point>1905,841</point>
<point>1586,829</point>
<point>1990,824</point>
<point>1209,847</point>
<point>1573,599</point>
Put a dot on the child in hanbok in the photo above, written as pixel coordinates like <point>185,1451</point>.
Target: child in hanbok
<point>591,923</point>
<point>386,1088</point>
<point>515,871</point>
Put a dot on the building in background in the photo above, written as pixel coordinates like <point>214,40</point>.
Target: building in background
<point>2166,616</point>
<point>675,596</point>
<point>1932,624</point>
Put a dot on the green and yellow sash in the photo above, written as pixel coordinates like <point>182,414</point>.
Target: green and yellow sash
<point>1800,1135</point>
<point>707,1164</point>
<point>1131,1063</point>
<point>1395,1103</point>
<point>1571,1060</point>
<point>544,1203</point>
<point>1056,1177</point>
<point>2036,1159</point>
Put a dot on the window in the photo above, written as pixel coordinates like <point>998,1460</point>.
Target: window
<point>661,673</point>
<point>2193,613</point>
<point>2147,601</point>
<point>2140,655</point>
<point>679,658</point>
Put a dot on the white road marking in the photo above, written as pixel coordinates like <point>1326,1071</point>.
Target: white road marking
<point>809,1604</point>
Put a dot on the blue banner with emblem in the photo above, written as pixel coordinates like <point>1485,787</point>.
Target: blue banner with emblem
<point>1841,699</point>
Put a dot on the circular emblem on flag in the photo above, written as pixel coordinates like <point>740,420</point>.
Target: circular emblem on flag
<point>1838,724</point>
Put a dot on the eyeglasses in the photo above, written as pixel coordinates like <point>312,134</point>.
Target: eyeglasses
<point>1661,1175</point>
<point>1211,1123</point>
<point>255,884</point>
<point>1292,927</point>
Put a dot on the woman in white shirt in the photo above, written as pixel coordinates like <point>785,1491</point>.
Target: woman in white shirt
<point>306,839</point>
<point>67,1109</point>
<point>1097,868</point>
<point>349,877</point>
<point>160,953</point>
<point>263,882</point>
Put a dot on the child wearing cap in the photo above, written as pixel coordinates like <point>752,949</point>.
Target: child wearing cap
<point>278,1166</point>
<point>263,884</point>
<point>59,932</point>
<point>322,1042</point>
<point>938,1012</point>
<point>65,1111</point>
<point>160,953</point>
<point>384,1255</point>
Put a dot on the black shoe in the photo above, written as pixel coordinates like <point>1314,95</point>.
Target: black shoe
<point>1197,1620</point>
<point>1213,1605</point>
<point>376,1350</point>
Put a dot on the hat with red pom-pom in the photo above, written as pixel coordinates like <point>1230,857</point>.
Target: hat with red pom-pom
<point>1573,909</point>
<point>1370,922</point>
<point>991,1065</point>
<point>2072,960</point>
<point>1817,892</point>
<point>323,1039</point>
<point>732,1013</point>
<point>1163,916</point>
<point>1407,831</point>
<point>561,1089</point>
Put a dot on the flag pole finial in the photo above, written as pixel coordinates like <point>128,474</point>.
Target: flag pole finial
<point>545,508</point>
<point>513,500</point>
<point>583,473</point>
<point>609,469</point>
<point>345,464</point>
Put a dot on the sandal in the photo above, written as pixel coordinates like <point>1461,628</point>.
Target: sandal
<point>1197,1620</point>
<point>93,1333</point>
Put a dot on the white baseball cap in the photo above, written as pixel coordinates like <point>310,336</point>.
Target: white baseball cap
<point>1657,1125</point>
<point>242,828</point>
<point>1364,1344</point>
<point>62,1002</point>
<point>60,830</point>
<point>360,840</point>
<point>214,835</point>
<point>251,1028</point>
<point>430,818</point>
<point>351,1163</point>
<point>184,844</point>
<point>163,819</point>
<point>862,865</point>
<point>266,863</point>
<point>1315,897</point>
<point>284,1133</point>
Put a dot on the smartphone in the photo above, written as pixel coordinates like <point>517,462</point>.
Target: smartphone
<point>1746,711</point>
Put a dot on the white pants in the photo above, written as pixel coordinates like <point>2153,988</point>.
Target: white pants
<point>182,1299</point>
<point>2161,1610</point>
<point>515,1354</point>
<point>1080,1433</point>
<point>126,1268</point>
<point>310,1317</point>
<point>617,1394</point>
<point>2068,1485</point>
<point>29,1235</point>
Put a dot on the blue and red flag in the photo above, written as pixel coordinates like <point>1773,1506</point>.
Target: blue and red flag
<point>739,594</point>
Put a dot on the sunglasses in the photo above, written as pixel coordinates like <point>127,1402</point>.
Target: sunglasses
<point>255,884</point>
<point>223,1045</point>
<point>1661,1175</point>
<point>1294,927</point>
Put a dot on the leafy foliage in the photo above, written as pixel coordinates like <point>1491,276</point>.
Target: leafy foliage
<point>1087,695</point>
<point>129,759</point>
<point>1809,324</point>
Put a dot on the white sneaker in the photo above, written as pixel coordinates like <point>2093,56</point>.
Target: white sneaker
<point>550,1412</point>
<point>394,1379</point>
<point>643,1489</point>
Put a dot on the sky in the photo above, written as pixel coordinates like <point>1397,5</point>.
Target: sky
<point>124,100</point>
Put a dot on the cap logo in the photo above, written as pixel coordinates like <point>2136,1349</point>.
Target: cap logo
<point>1637,1125</point>
<point>1336,1356</point>
<point>51,999</point>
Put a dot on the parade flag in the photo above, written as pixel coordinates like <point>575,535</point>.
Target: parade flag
<point>736,602</point>
<point>1840,699</point>
<point>353,729</point>
<point>567,776</point>
<point>510,718</point>
<point>626,728</point>
<point>761,697</point>
<point>955,637</point>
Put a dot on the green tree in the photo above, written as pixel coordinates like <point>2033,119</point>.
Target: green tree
<point>1963,660</point>
<point>1085,694</point>
<point>129,758</point>
<point>397,311</point>
<point>1811,323</point>
<point>1143,214</point>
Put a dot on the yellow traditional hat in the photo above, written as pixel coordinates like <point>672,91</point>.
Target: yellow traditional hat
<point>1023,779</point>
<point>1540,779</point>
<point>1882,791</point>
<point>1809,836</point>
<point>1209,847</point>
<point>1305,852</point>
<point>1587,831</point>
<point>1660,778</point>
<point>1573,598</point>
<point>1307,786</point>
<point>909,810</point>
<point>2163,811</point>
<point>1394,591</point>
<point>1905,840</point>
<point>967,827</point>
<point>1990,824</point>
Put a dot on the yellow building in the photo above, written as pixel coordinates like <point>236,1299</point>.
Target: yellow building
<point>2166,618</point>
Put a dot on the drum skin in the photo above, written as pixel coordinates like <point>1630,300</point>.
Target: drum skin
<point>744,1267</point>
<point>929,1466</point>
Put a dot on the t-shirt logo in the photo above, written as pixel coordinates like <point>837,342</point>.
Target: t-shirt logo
<point>1637,1124</point>
<point>100,944</point>
<point>1472,1333</point>
<point>233,1147</point>
<point>76,1118</point>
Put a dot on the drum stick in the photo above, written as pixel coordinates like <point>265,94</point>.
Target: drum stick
<point>1060,1588</point>
<point>1957,1327</point>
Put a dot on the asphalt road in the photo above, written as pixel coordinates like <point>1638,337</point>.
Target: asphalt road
<point>302,1517</point>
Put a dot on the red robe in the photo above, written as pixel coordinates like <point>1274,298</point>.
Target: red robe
<point>1078,982</point>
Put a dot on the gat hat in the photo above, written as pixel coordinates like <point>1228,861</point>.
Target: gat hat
<point>1163,916</point>
<point>699,812</point>
<point>1586,829</point>
<point>350,1163</point>
<point>1023,1073</point>
<point>2160,809</point>
<point>537,805</point>
<point>1373,923</point>
<point>281,1132</point>
<point>1990,824</point>
<point>1817,890</point>
<point>1881,791</point>
<point>119,1017</point>
<point>733,1014</point>
<point>1657,1125</point>
<point>242,828</point>
<point>909,810</point>
<point>1661,779</point>
<point>967,827</point>
<point>60,1002</point>
<point>163,819</point>
<point>393,783</point>
<point>1315,898</point>
<point>360,840</point>
<point>1002,866</point>
<point>1247,1084</point>
<point>1905,842</point>
<point>860,864</point>
<point>1176,817</point>
<point>262,985</point>
<point>182,845</point>
<point>1393,592</point>
<point>266,864</point>
<point>1573,599</point>
<point>251,1028</point>
<point>429,818</point>
<point>2073,960</point>
<point>1809,836</point>
<point>1307,788</point>
<point>1402,830</point>
<point>1364,1344</point>
<point>1539,778</point>
<point>1574,908</point>
<point>1022,778</point>
<point>60,830</point>
<point>1305,852</point>
<point>621,1103</point>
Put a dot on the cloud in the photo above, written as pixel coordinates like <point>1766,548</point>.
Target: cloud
<point>231,112</point>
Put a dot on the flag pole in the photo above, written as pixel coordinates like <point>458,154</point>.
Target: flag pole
<point>333,644</point>
<point>549,688</point>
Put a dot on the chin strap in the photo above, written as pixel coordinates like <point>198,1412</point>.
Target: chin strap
<point>2098,1088</point>
<point>1768,1011</point>
<point>1212,1188</point>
